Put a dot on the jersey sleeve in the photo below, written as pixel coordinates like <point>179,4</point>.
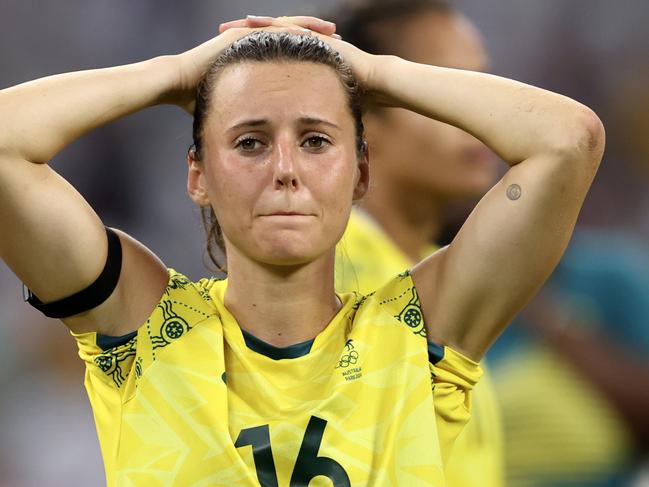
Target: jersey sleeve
<point>107,372</point>
<point>454,377</point>
<point>114,365</point>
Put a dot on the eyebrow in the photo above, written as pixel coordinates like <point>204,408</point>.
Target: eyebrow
<point>260,122</point>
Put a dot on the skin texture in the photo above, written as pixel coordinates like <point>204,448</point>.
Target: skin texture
<point>469,291</point>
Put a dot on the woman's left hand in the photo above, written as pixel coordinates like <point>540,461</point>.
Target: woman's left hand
<point>359,61</point>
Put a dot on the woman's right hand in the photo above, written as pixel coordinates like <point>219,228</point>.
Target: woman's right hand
<point>191,65</point>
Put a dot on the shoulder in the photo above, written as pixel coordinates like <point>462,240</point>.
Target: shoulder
<point>397,301</point>
<point>395,316</point>
<point>183,306</point>
<point>191,299</point>
<point>183,303</point>
<point>141,280</point>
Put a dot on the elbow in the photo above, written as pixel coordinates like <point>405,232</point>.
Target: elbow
<point>593,136</point>
<point>583,138</point>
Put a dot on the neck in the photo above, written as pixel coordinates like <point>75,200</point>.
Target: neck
<point>281,305</point>
<point>411,219</point>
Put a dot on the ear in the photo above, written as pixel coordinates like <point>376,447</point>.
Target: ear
<point>362,173</point>
<point>196,180</point>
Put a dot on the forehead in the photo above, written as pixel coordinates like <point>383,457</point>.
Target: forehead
<point>276,90</point>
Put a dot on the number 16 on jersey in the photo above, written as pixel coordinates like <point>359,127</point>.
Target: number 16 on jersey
<point>307,465</point>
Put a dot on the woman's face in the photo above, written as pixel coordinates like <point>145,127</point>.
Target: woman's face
<point>279,161</point>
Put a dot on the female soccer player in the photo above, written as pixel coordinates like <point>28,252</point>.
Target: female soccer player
<point>269,377</point>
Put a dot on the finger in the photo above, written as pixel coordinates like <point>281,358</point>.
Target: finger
<point>287,28</point>
<point>232,24</point>
<point>256,21</point>
<point>313,23</point>
<point>251,21</point>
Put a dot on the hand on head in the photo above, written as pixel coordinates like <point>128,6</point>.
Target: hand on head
<point>358,60</point>
<point>192,64</point>
<point>301,24</point>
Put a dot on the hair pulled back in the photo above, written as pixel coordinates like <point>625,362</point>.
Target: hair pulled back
<point>261,47</point>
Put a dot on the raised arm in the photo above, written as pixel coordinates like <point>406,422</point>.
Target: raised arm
<point>515,236</point>
<point>51,238</point>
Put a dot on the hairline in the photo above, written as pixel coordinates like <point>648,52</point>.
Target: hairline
<point>281,60</point>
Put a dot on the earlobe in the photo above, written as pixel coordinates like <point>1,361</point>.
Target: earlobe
<point>196,180</point>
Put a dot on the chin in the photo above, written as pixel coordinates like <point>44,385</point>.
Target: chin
<point>288,253</point>
<point>283,258</point>
<point>287,247</point>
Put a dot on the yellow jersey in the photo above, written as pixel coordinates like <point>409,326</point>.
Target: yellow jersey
<point>366,258</point>
<point>190,399</point>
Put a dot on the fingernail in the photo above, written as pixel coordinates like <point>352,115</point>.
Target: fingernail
<point>336,36</point>
<point>252,16</point>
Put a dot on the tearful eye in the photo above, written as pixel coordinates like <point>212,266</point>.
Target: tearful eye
<point>248,144</point>
<point>315,142</point>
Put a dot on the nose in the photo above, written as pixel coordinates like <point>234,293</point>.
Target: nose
<point>284,165</point>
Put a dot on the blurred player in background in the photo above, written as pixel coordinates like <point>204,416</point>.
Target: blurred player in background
<point>419,167</point>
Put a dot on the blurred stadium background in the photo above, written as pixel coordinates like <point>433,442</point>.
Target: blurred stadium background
<point>133,174</point>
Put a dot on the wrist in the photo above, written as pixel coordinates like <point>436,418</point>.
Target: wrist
<point>380,70</point>
<point>167,71</point>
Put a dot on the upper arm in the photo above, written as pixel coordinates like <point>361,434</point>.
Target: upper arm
<point>506,249</point>
<point>56,244</point>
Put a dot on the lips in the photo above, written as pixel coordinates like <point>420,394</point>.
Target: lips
<point>286,213</point>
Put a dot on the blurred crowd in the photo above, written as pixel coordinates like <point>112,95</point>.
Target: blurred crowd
<point>572,373</point>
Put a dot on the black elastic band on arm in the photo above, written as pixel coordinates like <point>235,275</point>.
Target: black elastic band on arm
<point>91,297</point>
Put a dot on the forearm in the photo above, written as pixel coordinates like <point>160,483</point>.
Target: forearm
<point>516,120</point>
<point>41,117</point>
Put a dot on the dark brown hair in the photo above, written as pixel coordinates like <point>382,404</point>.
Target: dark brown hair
<point>267,47</point>
<point>367,24</point>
